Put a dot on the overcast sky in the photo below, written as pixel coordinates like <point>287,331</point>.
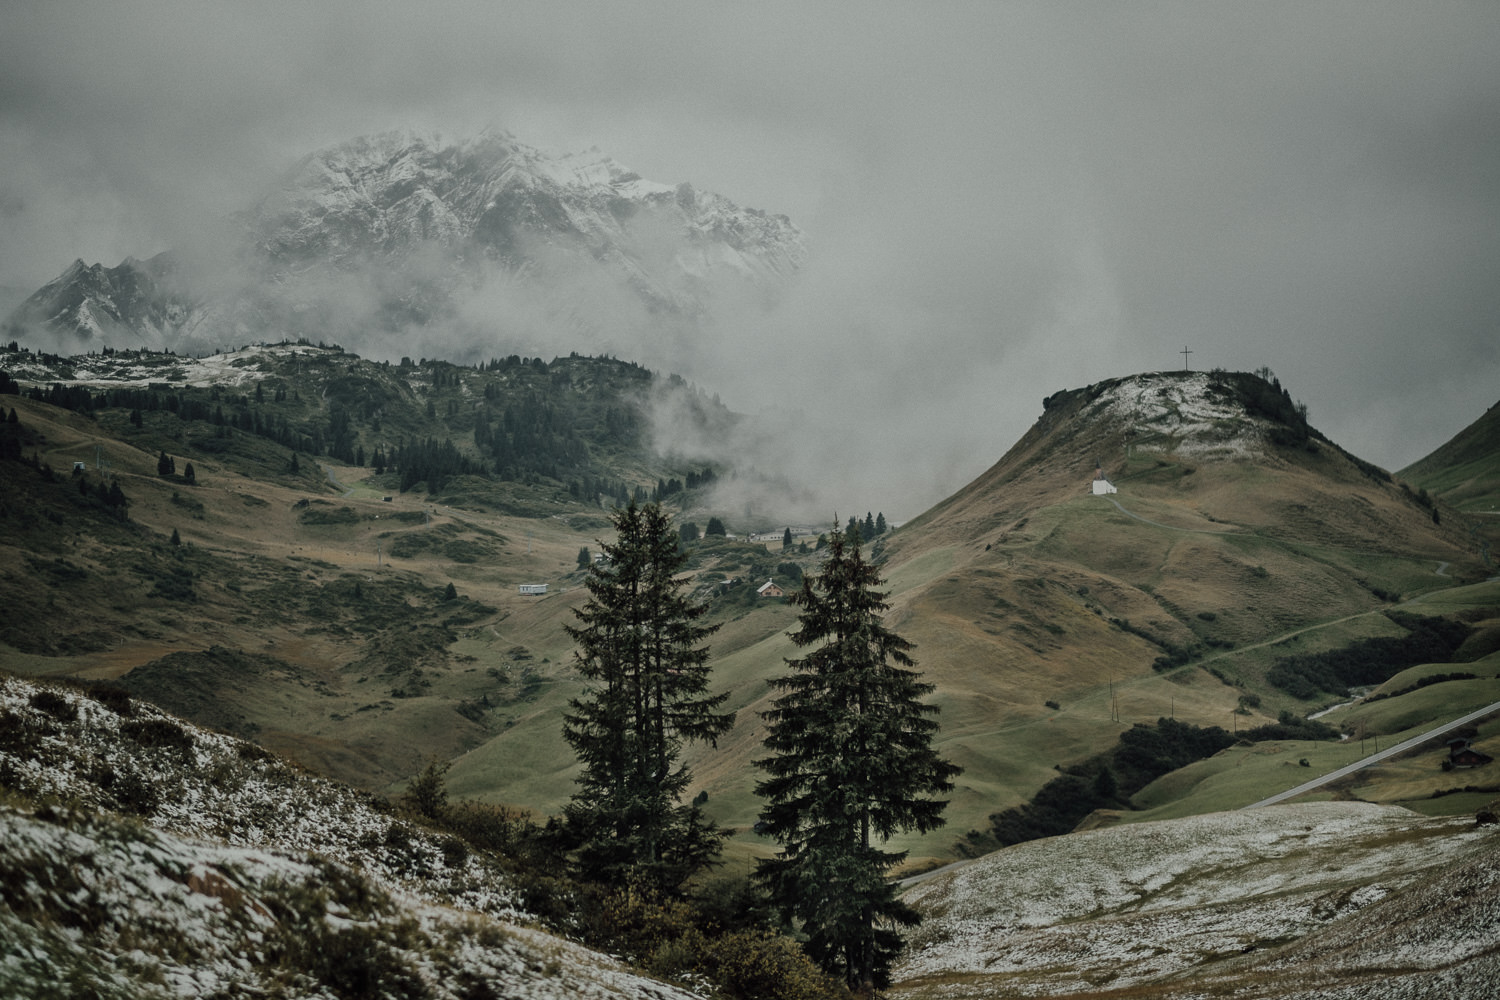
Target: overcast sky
<point>1002,199</point>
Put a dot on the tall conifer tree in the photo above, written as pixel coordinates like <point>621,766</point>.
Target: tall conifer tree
<point>852,765</point>
<point>640,641</point>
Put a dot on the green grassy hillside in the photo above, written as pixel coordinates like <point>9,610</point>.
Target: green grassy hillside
<point>306,610</point>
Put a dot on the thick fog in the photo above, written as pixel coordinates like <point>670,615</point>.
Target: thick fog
<point>1001,199</point>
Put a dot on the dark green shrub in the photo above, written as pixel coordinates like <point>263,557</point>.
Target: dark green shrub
<point>51,703</point>
<point>112,697</point>
<point>132,792</point>
<point>427,795</point>
<point>159,733</point>
<point>1369,661</point>
<point>13,732</point>
<point>319,515</point>
<point>761,964</point>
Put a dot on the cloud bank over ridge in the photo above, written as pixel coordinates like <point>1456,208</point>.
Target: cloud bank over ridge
<point>1001,200</point>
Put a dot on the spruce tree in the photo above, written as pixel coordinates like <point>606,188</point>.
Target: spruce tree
<point>852,764</point>
<point>640,643</point>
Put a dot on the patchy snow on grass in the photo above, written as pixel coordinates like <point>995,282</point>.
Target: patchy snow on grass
<point>157,859</point>
<point>124,370</point>
<point>124,910</point>
<point>1178,413</point>
<point>1130,905</point>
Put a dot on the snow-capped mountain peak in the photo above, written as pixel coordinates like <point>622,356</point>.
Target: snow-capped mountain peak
<point>395,230</point>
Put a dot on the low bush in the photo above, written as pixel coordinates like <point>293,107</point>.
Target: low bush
<point>112,697</point>
<point>159,733</point>
<point>54,704</point>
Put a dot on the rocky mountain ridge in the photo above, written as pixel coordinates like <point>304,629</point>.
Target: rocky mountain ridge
<point>403,231</point>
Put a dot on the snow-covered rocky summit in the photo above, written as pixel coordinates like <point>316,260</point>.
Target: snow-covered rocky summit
<point>1214,415</point>
<point>405,230</point>
<point>135,302</point>
<point>400,191</point>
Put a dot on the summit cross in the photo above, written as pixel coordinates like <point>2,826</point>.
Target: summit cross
<point>1185,352</point>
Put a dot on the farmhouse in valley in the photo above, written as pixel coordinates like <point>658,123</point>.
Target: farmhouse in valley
<point>1461,754</point>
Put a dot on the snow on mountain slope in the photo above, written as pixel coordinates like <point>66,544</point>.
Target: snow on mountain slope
<point>178,862</point>
<point>1181,413</point>
<point>406,231</point>
<point>106,908</point>
<point>1181,901</point>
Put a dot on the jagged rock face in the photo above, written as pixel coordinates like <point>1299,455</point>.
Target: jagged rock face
<point>417,222</point>
<point>136,302</point>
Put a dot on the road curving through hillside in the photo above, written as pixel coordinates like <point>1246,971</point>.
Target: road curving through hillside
<point>1377,757</point>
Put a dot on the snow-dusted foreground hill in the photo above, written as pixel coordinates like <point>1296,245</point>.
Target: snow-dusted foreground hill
<point>145,858</point>
<point>1328,899</point>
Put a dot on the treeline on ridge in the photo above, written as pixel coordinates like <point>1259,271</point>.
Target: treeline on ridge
<point>573,421</point>
<point>1144,753</point>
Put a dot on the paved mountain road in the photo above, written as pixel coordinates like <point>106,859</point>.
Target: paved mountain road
<point>1376,758</point>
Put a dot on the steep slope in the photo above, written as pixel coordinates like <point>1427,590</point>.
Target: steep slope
<point>302,602</point>
<point>186,864</point>
<point>1465,473</point>
<point>134,303</point>
<point>1234,523</point>
<point>401,232</point>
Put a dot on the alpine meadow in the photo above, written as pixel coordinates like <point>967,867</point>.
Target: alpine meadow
<point>448,568</point>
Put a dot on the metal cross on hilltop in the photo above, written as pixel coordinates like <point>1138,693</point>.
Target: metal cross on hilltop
<point>1185,352</point>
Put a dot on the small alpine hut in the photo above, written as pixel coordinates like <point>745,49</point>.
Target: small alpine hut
<point>769,589</point>
<point>534,589</point>
<point>1102,486</point>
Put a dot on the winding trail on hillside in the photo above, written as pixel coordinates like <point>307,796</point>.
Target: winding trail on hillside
<point>1379,756</point>
<point>328,471</point>
<point>1157,524</point>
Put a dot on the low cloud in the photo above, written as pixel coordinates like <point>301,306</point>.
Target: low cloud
<point>1002,199</point>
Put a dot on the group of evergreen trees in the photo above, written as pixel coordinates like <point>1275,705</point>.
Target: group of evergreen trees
<point>166,466</point>
<point>850,762</point>
<point>871,528</point>
<point>1369,661</point>
<point>535,422</point>
<point>640,642</point>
